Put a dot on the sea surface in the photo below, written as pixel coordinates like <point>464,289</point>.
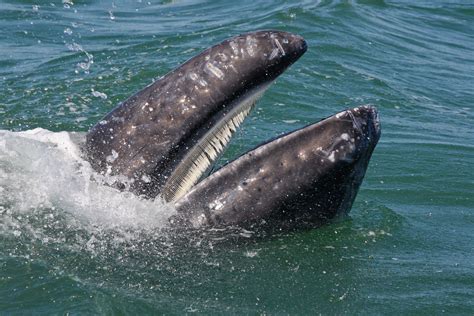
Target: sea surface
<point>71,246</point>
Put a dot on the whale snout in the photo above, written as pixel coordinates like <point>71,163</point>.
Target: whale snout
<point>375,119</point>
<point>299,44</point>
<point>289,46</point>
<point>294,44</point>
<point>366,117</point>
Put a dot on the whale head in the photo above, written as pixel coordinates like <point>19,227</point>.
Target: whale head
<point>162,140</point>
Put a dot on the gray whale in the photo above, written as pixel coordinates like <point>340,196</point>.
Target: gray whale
<point>164,139</point>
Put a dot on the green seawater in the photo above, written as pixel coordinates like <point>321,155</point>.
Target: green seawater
<point>68,246</point>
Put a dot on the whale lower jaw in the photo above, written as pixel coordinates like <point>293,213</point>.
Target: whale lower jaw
<point>299,179</point>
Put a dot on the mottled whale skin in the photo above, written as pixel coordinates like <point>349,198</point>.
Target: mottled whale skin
<point>147,139</point>
<point>161,141</point>
<point>300,179</point>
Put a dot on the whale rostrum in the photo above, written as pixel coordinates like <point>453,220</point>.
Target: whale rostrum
<point>167,135</point>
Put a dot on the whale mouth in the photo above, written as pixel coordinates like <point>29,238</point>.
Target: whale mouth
<point>202,156</point>
<point>162,141</point>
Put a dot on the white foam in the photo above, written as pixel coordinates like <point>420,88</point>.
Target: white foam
<point>40,169</point>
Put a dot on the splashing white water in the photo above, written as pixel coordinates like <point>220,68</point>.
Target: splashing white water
<point>41,170</point>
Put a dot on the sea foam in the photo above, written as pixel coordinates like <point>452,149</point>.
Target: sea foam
<point>40,169</point>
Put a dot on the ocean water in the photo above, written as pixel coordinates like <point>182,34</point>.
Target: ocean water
<point>71,246</point>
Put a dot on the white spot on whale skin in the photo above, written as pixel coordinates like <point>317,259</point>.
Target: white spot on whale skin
<point>331,157</point>
<point>203,82</point>
<point>222,57</point>
<point>119,119</point>
<point>345,136</point>
<point>302,155</point>
<point>216,205</point>
<point>280,48</point>
<point>250,51</point>
<point>199,221</point>
<point>251,43</point>
<point>273,54</point>
<point>183,99</point>
<point>111,158</point>
<point>235,47</point>
<point>341,114</point>
<point>193,76</point>
<point>145,105</point>
<point>214,71</point>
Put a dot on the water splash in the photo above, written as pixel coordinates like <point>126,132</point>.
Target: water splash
<point>42,170</point>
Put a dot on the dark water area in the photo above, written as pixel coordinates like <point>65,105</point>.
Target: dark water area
<point>68,245</point>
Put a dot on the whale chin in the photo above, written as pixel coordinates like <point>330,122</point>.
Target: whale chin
<point>164,140</point>
<point>300,179</point>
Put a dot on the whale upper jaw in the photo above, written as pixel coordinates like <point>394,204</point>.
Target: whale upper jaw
<point>165,137</point>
